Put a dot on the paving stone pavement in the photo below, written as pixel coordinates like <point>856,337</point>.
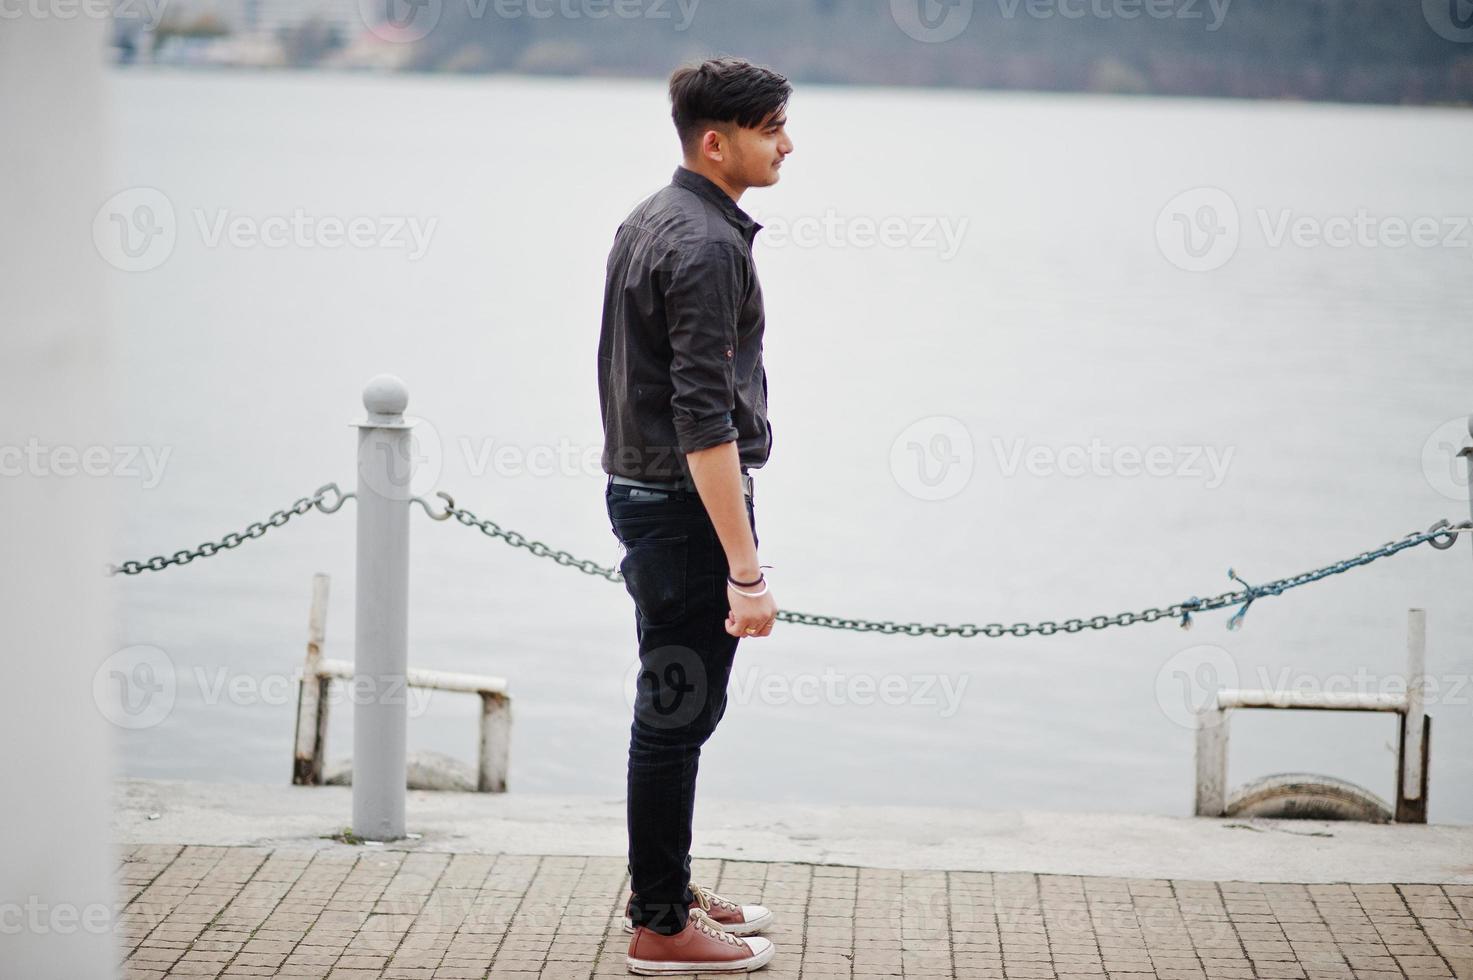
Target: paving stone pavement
<point>356,913</point>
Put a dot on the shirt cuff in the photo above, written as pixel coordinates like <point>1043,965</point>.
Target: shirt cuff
<point>695,434</point>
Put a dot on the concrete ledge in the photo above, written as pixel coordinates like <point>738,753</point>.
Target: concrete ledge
<point>911,838</point>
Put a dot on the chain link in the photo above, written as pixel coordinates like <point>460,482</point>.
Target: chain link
<point>1441,535</point>
<point>320,500</point>
<point>493,530</point>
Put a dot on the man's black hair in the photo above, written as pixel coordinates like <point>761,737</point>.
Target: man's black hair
<point>723,90</point>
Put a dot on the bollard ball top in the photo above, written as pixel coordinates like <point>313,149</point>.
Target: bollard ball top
<point>385,396</point>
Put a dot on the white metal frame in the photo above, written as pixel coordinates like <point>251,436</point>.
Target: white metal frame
<point>1413,739</point>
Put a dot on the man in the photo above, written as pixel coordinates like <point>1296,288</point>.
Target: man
<point>683,397</point>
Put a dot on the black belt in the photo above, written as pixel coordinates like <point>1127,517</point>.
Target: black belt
<point>685,483</point>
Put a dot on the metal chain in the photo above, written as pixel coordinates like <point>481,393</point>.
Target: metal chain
<point>493,530</point>
<point>1441,535</point>
<point>159,562</point>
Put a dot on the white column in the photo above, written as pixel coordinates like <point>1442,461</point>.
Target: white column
<point>378,692</point>
<point>1411,742</point>
<point>58,896</point>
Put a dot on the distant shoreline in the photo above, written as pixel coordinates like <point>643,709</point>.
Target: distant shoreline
<point>338,72</point>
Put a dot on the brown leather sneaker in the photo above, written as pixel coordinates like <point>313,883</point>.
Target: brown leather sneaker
<point>701,947</point>
<point>739,920</point>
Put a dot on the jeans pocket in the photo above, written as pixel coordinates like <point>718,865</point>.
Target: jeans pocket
<point>654,569</point>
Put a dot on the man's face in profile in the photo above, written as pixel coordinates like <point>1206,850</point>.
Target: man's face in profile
<point>757,152</point>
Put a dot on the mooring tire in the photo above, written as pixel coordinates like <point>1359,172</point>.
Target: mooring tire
<point>1307,796</point>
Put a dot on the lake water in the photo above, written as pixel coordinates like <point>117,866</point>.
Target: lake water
<point>967,299</point>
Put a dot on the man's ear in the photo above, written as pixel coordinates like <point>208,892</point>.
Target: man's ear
<point>713,144</point>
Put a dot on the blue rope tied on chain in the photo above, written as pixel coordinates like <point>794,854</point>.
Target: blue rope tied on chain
<point>1252,592</point>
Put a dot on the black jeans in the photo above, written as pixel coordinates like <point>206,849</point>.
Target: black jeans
<point>675,571</point>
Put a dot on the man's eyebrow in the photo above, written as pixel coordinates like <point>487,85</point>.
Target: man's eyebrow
<point>777,122</point>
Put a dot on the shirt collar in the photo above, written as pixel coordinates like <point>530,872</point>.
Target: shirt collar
<point>705,187</point>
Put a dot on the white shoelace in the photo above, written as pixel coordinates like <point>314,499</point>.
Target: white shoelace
<point>704,923</point>
<point>705,899</point>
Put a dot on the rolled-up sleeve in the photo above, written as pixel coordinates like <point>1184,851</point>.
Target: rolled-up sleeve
<point>702,303</point>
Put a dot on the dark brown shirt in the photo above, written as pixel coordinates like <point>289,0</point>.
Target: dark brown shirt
<point>680,350</point>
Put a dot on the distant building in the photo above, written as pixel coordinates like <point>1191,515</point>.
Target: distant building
<point>271,16</point>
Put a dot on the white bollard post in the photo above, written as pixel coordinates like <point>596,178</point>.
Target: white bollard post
<point>381,633</point>
<point>311,737</point>
<point>1212,758</point>
<point>1411,741</point>
<point>1467,455</point>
